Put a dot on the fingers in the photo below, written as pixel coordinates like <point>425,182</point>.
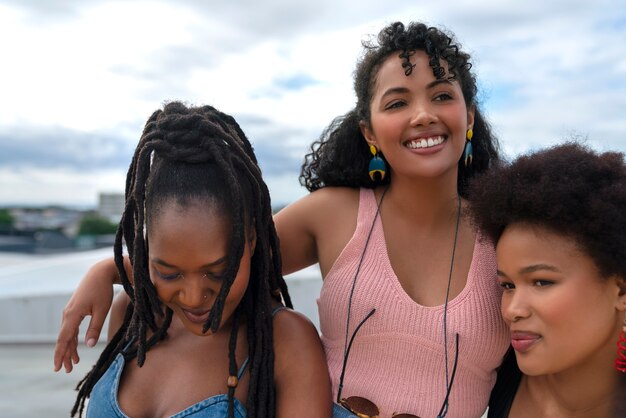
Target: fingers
<point>66,349</point>
<point>66,352</point>
<point>95,325</point>
<point>71,355</point>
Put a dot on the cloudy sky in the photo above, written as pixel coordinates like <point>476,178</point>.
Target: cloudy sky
<point>78,79</point>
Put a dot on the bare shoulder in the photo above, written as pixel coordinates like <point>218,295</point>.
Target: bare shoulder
<point>319,203</point>
<point>316,227</point>
<point>300,370</point>
<point>294,332</point>
<point>334,198</point>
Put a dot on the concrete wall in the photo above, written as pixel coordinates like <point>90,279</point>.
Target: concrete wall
<point>35,289</point>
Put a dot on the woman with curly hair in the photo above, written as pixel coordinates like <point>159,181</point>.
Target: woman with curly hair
<point>409,307</point>
<point>557,219</point>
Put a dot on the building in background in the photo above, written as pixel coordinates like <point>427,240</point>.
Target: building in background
<point>111,206</point>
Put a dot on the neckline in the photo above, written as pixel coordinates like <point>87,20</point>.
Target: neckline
<point>211,400</point>
<point>393,277</point>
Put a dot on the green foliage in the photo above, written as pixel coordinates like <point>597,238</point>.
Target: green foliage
<point>6,219</point>
<point>96,225</point>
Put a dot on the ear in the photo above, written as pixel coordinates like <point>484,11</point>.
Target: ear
<point>621,283</point>
<point>620,292</point>
<point>471,111</point>
<point>367,133</point>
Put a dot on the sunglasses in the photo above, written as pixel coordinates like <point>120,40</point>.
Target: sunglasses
<point>363,407</point>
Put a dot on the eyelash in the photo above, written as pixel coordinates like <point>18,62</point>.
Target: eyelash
<point>174,276</point>
<point>507,285</point>
<point>537,283</point>
<point>443,97</point>
<point>394,105</point>
<point>168,277</point>
<point>543,282</point>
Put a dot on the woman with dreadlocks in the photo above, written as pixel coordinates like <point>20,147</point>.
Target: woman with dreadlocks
<point>409,307</point>
<point>206,333</point>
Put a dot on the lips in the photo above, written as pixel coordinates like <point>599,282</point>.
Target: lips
<point>523,341</point>
<point>197,316</point>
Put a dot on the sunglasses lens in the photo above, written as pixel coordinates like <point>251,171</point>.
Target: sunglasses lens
<point>361,407</point>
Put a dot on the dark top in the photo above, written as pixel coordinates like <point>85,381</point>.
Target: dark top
<point>507,383</point>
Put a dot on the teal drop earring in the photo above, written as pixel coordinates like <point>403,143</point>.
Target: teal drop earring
<point>377,164</point>
<point>468,153</point>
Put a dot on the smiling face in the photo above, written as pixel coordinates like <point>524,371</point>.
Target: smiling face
<point>418,121</point>
<point>188,251</point>
<point>561,312</point>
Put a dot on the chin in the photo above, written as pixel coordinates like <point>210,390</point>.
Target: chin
<point>535,368</point>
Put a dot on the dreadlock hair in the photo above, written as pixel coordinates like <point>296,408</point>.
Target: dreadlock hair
<point>340,157</point>
<point>198,155</point>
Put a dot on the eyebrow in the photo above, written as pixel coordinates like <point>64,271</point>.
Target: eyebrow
<point>432,84</point>
<point>208,265</point>
<point>532,269</point>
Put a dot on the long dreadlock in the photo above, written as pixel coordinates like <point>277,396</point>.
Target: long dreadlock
<point>186,154</point>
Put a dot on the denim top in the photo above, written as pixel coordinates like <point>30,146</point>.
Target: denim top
<point>103,400</point>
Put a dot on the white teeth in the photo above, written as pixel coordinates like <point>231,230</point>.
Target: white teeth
<point>425,143</point>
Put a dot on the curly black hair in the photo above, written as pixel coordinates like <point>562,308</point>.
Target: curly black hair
<point>192,155</point>
<point>568,189</point>
<point>340,156</point>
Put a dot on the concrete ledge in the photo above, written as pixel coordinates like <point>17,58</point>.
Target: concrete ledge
<point>35,289</point>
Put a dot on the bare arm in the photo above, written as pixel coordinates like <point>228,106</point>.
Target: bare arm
<point>92,298</point>
<point>313,229</point>
<point>116,316</point>
<point>297,239</point>
<point>303,385</point>
<point>316,228</point>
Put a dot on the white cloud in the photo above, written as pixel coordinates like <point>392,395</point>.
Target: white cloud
<point>98,69</point>
<point>32,186</point>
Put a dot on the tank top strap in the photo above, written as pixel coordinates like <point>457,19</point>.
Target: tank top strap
<point>278,309</point>
<point>243,367</point>
<point>367,210</point>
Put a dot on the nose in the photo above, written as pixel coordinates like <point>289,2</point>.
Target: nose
<point>423,113</point>
<point>195,291</point>
<point>515,305</point>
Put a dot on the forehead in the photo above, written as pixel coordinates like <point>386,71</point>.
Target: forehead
<point>199,215</point>
<point>522,243</point>
<point>534,237</point>
<point>391,72</point>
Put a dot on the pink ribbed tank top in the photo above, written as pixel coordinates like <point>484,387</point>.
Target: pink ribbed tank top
<point>397,358</point>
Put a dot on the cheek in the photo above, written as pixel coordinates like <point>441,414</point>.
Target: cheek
<point>162,290</point>
<point>565,316</point>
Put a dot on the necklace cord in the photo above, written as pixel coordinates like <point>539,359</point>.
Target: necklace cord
<point>347,346</point>
<point>356,274</point>
<point>444,407</point>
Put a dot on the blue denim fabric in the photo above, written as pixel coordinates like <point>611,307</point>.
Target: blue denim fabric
<point>103,400</point>
<point>341,412</point>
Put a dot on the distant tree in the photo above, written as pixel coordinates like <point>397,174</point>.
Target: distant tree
<point>96,225</point>
<point>6,219</point>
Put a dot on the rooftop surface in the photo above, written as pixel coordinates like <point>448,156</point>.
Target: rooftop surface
<point>28,386</point>
<point>33,291</point>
